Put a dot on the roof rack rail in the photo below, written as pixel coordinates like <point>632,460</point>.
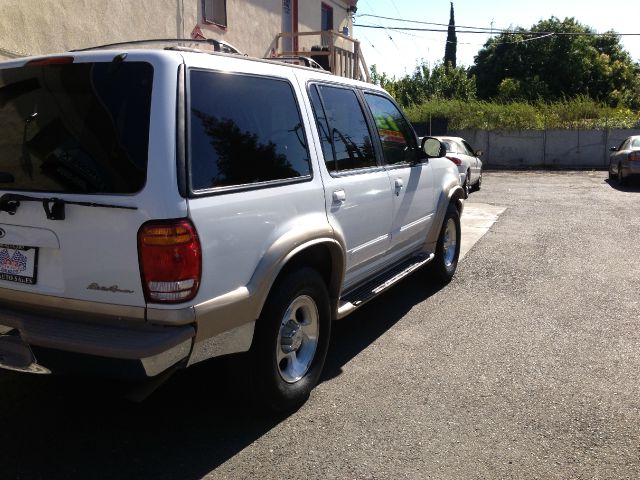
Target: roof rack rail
<point>296,60</point>
<point>218,45</point>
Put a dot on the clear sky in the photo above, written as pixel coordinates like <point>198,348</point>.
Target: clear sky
<point>396,53</point>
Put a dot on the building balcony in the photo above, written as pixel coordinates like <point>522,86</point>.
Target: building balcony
<point>334,51</point>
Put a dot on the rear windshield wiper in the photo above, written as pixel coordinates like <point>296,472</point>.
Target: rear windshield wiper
<point>53,207</point>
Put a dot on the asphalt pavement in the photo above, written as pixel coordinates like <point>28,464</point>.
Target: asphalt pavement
<point>527,365</point>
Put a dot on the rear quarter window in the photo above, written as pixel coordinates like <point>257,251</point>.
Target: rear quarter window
<point>244,130</point>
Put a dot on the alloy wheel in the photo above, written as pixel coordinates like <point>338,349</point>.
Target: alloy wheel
<point>297,339</point>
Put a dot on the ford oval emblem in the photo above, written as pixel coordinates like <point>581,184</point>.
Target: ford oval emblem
<point>2,233</point>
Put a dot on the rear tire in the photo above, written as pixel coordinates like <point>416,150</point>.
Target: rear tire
<point>444,265</point>
<point>291,340</point>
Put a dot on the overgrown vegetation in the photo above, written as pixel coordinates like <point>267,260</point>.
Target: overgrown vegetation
<point>581,112</point>
<point>555,81</point>
<point>426,84</point>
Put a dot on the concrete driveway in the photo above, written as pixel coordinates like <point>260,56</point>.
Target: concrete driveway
<point>526,366</point>
<point>477,219</point>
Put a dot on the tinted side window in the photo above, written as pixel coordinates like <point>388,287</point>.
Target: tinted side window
<point>244,130</point>
<point>396,135</point>
<point>323,128</point>
<point>347,143</point>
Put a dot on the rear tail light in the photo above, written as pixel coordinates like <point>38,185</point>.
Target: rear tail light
<point>634,156</point>
<point>455,160</point>
<point>170,260</point>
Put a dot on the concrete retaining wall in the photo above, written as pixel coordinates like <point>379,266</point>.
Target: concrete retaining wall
<point>545,149</point>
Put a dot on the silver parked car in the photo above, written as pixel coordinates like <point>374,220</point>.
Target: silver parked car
<point>624,160</point>
<point>467,160</point>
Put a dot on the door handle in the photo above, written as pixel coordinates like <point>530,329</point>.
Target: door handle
<point>398,185</point>
<point>339,196</point>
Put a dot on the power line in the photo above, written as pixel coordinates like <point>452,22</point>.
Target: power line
<point>390,37</point>
<point>482,29</point>
<point>409,34</point>
<point>471,43</point>
<point>416,21</point>
<point>506,32</point>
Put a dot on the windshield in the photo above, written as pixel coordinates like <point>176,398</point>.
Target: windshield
<point>76,128</point>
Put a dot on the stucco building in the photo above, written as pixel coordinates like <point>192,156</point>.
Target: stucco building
<point>256,27</point>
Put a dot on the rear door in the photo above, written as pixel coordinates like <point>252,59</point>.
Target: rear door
<point>357,189</point>
<point>251,179</point>
<point>76,146</point>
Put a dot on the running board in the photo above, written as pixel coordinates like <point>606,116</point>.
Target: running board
<point>366,292</point>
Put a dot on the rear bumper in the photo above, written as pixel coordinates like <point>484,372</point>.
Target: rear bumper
<point>147,349</point>
<point>631,168</point>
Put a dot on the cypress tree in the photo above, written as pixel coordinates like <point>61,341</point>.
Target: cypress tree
<point>452,42</point>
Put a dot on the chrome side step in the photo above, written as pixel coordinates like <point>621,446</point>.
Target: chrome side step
<point>366,292</point>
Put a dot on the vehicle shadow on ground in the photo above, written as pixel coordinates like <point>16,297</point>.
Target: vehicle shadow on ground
<point>53,427</point>
<point>356,332</point>
<point>630,185</point>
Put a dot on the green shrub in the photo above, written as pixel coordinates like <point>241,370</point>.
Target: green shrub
<point>580,112</point>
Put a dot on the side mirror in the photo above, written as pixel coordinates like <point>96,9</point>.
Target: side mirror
<point>613,149</point>
<point>478,153</point>
<point>433,148</point>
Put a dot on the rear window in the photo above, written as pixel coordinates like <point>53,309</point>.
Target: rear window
<point>75,128</point>
<point>449,146</point>
<point>244,130</point>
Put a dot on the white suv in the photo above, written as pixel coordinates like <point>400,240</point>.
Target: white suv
<point>162,207</point>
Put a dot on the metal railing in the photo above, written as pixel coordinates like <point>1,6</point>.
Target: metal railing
<point>334,51</point>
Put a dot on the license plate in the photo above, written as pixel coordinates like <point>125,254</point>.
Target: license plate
<point>18,264</point>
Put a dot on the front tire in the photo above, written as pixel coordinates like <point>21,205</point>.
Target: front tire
<point>291,340</point>
<point>444,265</point>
